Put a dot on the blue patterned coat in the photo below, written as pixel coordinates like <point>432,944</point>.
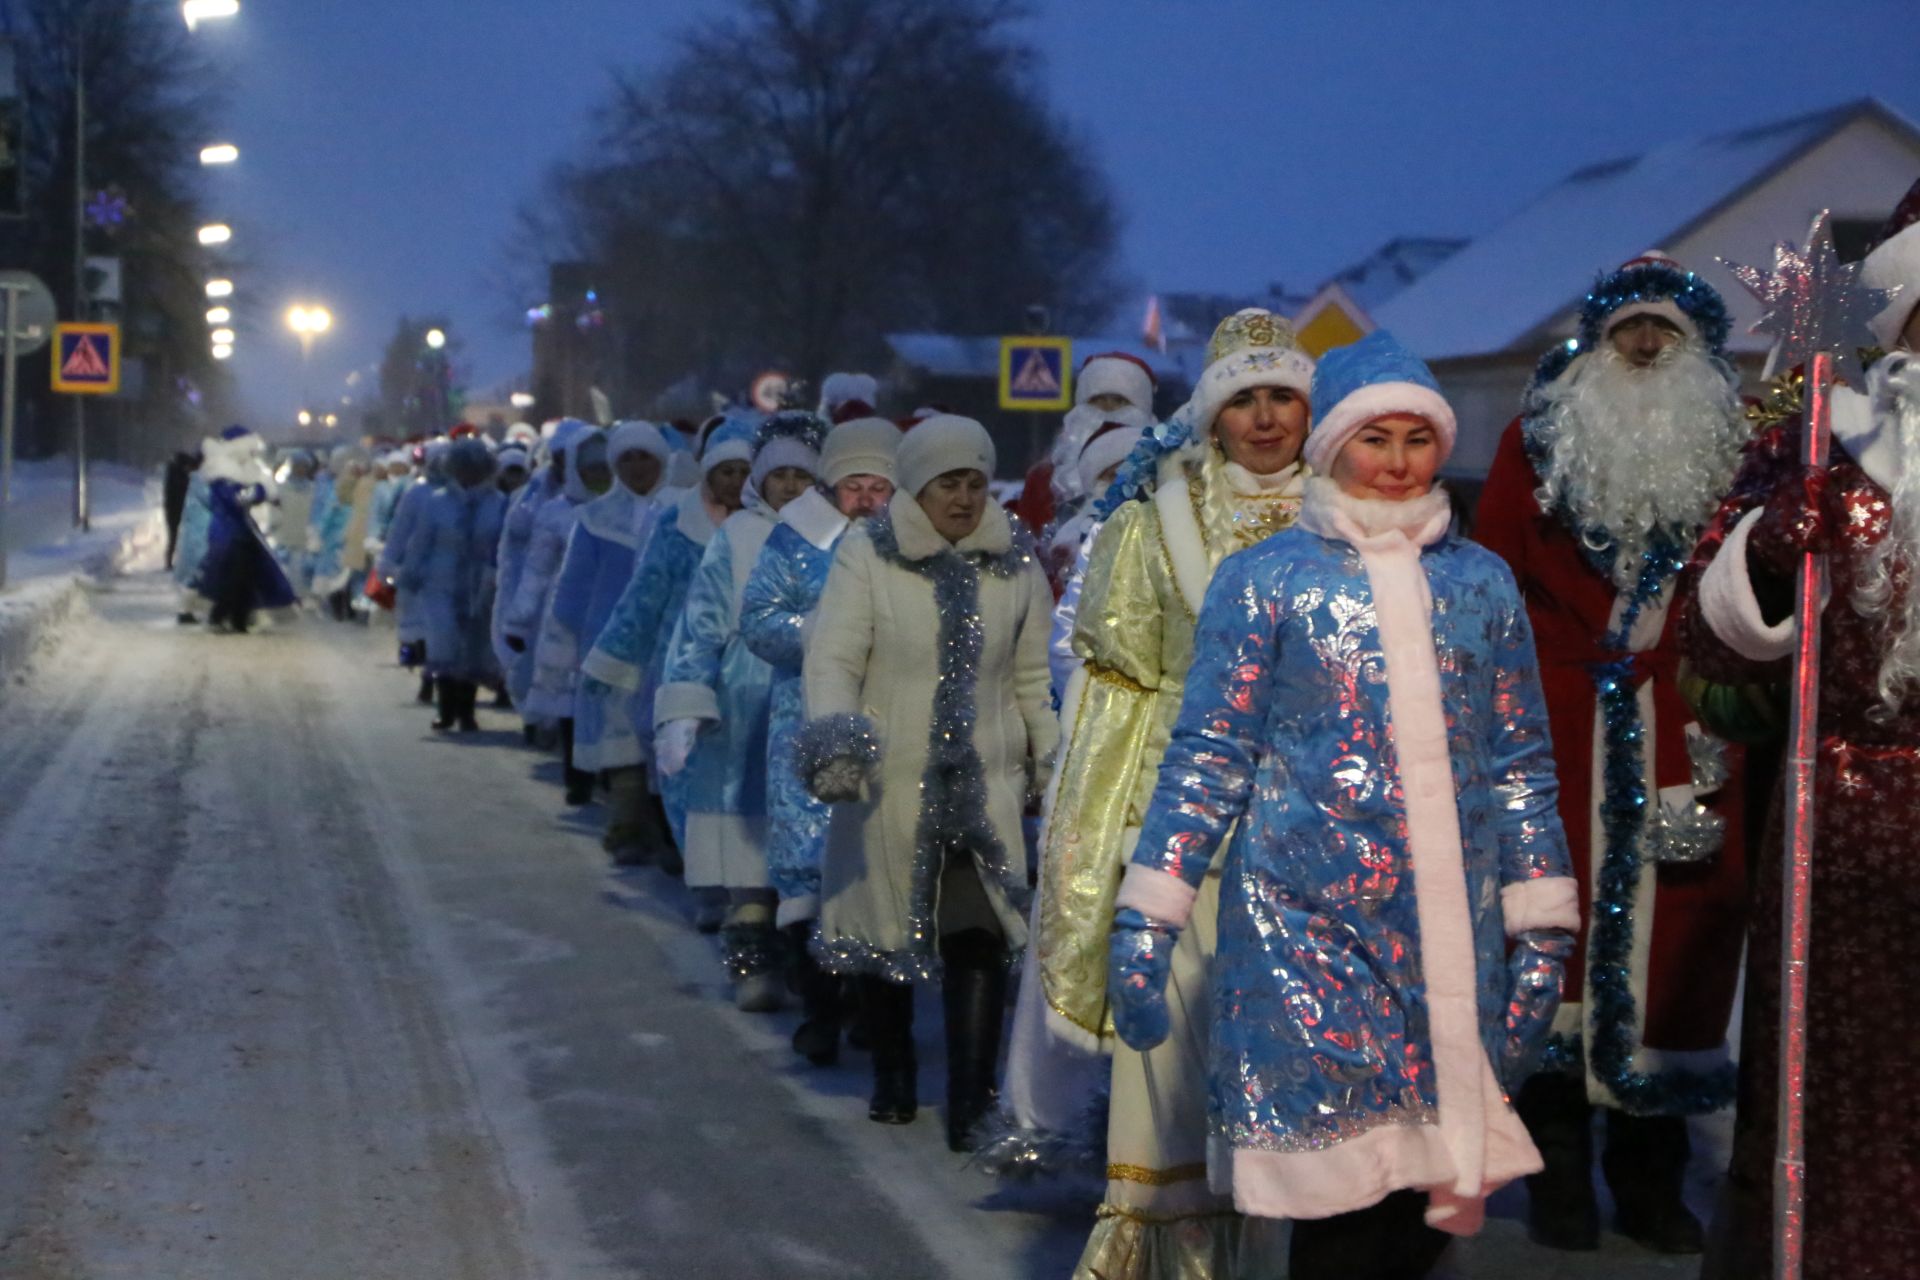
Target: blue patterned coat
<point>1322,1076</point>
<point>407,619</point>
<point>775,610</point>
<point>331,514</point>
<point>446,567</point>
<point>711,675</point>
<point>632,646</point>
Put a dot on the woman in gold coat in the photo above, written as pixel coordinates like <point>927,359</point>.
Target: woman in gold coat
<point>1222,475</point>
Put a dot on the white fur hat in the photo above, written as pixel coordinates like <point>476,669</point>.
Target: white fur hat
<point>514,455</point>
<point>943,443</point>
<point>1115,373</point>
<point>843,390</point>
<point>1252,347</point>
<point>860,447</point>
<point>1895,264</point>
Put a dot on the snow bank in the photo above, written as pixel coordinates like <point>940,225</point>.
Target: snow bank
<point>49,561</point>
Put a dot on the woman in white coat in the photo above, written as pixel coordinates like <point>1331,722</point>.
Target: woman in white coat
<point>931,730</point>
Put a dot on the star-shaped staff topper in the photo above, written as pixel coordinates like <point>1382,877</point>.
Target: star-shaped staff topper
<point>1812,302</point>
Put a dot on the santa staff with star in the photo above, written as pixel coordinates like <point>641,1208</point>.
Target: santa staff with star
<point>1805,580</point>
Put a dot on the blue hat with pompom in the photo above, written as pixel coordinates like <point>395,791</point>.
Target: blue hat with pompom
<point>1373,378</point>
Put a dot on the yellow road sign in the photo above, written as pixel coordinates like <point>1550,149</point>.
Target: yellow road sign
<point>86,359</point>
<point>1036,373</point>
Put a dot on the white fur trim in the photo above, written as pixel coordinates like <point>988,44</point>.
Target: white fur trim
<point>725,451</point>
<point>784,451</point>
<point>814,517</point>
<point>1180,531</point>
<point>1364,1170</point>
<point>1548,902</point>
<point>797,910</point>
<point>692,518</point>
<point>1870,439</point>
<point>1894,265</point>
<point>1110,375</point>
<point>635,435</point>
<point>609,670</point>
<point>943,443</point>
<point>1255,367</point>
<point>1109,450</point>
<point>1730,607</point>
<point>684,700</point>
<point>1158,895</point>
<point>1376,400</point>
<point>1665,308</point>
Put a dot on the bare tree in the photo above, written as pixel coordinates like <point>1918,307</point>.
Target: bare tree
<point>806,175</point>
<point>148,103</point>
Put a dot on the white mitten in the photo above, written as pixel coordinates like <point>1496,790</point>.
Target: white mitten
<point>673,745</point>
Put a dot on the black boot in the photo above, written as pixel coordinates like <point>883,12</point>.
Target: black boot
<point>1562,1212</point>
<point>426,690</point>
<point>449,690</point>
<point>817,1039</point>
<point>1646,1166</point>
<point>579,781</point>
<point>974,998</point>
<point>889,1011</point>
<point>469,695</point>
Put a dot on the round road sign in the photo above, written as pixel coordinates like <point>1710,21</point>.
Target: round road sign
<point>769,391</point>
<point>34,314</point>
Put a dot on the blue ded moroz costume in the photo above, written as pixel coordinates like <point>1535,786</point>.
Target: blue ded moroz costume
<point>222,559</point>
<point>1363,712</point>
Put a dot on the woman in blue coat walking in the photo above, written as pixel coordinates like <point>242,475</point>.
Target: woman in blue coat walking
<point>447,567</point>
<point>1363,712</point>
<point>776,612</point>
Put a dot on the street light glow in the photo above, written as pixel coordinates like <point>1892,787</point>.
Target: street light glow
<point>219,153</point>
<point>333,419</point>
<point>222,337</point>
<point>216,233</point>
<point>306,419</point>
<point>199,11</point>
<point>219,288</point>
<point>307,321</point>
<point>436,338</point>
<point>521,399</point>
<point>223,352</point>
<point>218,315</point>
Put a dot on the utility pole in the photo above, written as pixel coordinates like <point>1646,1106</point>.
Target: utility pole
<point>80,504</point>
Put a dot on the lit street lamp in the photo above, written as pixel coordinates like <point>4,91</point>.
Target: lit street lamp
<point>222,337</point>
<point>436,338</point>
<point>219,153</point>
<point>218,315</point>
<point>219,288</point>
<point>223,352</point>
<point>304,418</point>
<point>198,11</point>
<point>307,323</point>
<point>216,233</point>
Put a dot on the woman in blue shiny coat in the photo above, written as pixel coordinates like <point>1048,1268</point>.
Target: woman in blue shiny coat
<point>1364,712</point>
<point>711,712</point>
<point>776,610</point>
<point>447,567</point>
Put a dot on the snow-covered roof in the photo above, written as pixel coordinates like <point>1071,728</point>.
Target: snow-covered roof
<point>1492,295</point>
<point>946,355</point>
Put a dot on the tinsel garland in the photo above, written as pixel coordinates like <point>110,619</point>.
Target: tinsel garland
<point>953,786</point>
<point>1006,1149</point>
<point>825,740</point>
<point>1655,282</point>
<point>752,949</point>
<point>1614,1019</point>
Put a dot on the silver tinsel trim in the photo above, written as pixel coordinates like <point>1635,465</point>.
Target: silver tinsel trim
<point>1007,1150</point>
<point>1693,834</point>
<point>1708,756</point>
<point>849,956</point>
<point>752,949</point>
<point>830,739</point>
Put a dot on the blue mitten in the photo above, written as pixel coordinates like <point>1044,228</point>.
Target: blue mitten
<point>1536,971</point>
<point>1139,958</point>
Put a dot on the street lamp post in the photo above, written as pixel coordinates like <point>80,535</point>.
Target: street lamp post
<point>307,323</point>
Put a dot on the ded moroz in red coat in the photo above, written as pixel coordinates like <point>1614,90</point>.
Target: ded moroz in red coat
<point>1651,985</point>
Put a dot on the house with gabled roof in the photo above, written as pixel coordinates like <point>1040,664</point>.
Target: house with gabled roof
<point>1483,316</point>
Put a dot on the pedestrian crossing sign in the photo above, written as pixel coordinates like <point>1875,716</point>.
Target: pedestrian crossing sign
<point>1036,373</point>
<point>86,359</point>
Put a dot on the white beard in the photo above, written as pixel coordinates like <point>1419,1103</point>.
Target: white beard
<point>1885,588</point>
<point>1634,449</point>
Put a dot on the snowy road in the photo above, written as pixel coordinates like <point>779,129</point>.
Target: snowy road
<point>290,989</point>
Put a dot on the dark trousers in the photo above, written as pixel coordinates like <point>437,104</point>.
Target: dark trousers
<point>1386,1241</point>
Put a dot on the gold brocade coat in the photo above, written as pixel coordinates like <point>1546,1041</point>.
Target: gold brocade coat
<point>1145,578</point>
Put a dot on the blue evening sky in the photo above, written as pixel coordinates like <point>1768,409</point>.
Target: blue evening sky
<point>386,144</point>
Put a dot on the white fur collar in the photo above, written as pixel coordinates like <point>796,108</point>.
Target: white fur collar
<point>1371,523</point>
<point>692,518</point>
<point>1870,439</point>
<point>813,516</point>
<point>919,540</point>
<point>617,515</point>
<point>1288,479</point>
<point>1180,531</point>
